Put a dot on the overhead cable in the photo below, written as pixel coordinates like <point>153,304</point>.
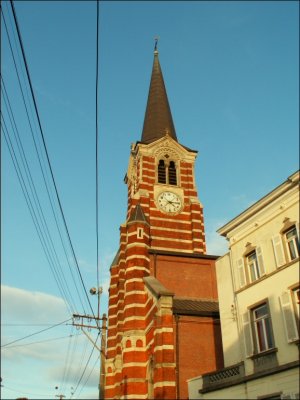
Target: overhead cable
<point>40,164</point>
<point>43,341</point>
<point>46,152</point>
<point>97,152</point>
<point>36,333</point>
<point>86,365</point>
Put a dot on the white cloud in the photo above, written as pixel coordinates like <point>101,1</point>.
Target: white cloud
<point>242,201</point>
<point>39,352</point>
<point>19,305</point>
<point>216,244</point>
<point>56,373</point>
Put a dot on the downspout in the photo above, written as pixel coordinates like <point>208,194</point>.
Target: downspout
<point>237,314</point>
<point>177,357</point>
<point>154,267</point>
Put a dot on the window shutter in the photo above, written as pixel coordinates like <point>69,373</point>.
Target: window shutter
<point>288,317</point>
<point>247,334</point>
<point>241,272</point>
<point>278,250</point>
<point>298,238</point>
<point>297,229</point>
<point>260,261</point>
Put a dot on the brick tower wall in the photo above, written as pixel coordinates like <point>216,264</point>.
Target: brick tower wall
<point>185,276</point>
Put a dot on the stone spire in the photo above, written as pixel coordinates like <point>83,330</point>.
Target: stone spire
<point>158,118</point>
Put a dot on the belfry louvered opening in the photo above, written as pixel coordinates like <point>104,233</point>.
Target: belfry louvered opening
<point>161,172</point>
<point>166,172</point>
<point>172,173</point>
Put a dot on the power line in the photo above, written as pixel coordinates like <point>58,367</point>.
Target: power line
<point>43,224</point>
<point>35,333</point>
<point>70,375</point>
<point>43,341</point>
<point>32,394</point>
<point>31,209</point>
<point>39,160</point>
<point>13,324</point>
<point>88,377</point>
<point>86,365</point>
<point>97,158</point>
<point>66,362</point>
<point>46,151</point>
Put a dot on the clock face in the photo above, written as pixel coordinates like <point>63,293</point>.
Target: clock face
<point>169,202</point>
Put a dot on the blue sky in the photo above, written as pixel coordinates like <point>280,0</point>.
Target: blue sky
<point>231,72</point>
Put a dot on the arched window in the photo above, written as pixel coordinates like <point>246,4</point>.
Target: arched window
<point>161,172</point>
<point>172,173</point>
<point>166,172</point>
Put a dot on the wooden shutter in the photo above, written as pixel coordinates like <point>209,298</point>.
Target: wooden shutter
<point>298,238</point>
<point>260,261</point>
<point>288,317</point>
<point>247,334</point>
<point>278,250</point>
<point>241,272</point>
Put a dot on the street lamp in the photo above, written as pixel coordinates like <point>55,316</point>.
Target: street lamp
<point>98,291</point>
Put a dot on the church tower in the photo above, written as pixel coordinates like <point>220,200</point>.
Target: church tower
<point>163,325</point>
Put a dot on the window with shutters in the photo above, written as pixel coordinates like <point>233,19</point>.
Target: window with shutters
<point>262,328</point>
<point>253,267</point>
<point>250,267</point>
<point>166,172</point>
<point>292,243</point>
<point>257,329</point>
<point>286,245</point>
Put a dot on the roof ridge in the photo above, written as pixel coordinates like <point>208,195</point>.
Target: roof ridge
<point>158,120</point>
<point>195,299</point>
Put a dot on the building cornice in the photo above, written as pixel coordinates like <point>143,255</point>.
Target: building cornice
<point>291,182</point>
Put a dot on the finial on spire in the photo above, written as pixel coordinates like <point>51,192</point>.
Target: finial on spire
<point>155,46</point>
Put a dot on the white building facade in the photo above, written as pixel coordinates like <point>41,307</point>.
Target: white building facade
<point>258,286</point>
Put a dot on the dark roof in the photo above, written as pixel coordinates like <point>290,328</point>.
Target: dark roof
<point>156,287</point>
<point>137,215</point>
<point>116,259</point>
<point>190,306</point>
<point>158,118</point>
<point>183,254</point>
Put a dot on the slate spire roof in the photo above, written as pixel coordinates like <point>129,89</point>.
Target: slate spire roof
<point>137,215</point>
<point>158,118</point>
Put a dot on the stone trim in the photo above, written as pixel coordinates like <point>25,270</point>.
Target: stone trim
<point>156,287</point>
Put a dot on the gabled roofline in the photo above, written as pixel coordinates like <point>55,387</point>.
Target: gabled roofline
<point>147,144</point>
<point>288,184</point>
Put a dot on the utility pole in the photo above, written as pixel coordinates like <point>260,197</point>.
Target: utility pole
<point>85,321</point>
<point>61,396</point>
<point>102,357</point>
